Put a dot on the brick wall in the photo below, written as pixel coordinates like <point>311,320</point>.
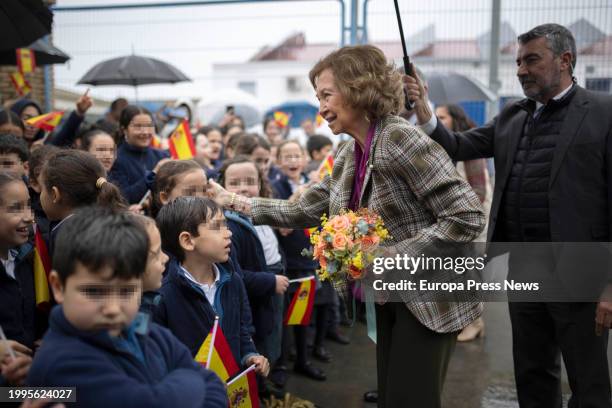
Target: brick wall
<point>36,79</point>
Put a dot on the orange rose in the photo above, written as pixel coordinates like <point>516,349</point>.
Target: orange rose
<point>318,249</point>
<point>369,242</point>
<point>355,272</point>
<point>340,241</point>
<point>323,262</point>
<point>340,223</point>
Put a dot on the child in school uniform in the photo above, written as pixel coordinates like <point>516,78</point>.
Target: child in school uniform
<point>22,322</point>
<point>92,343</point>
<point>199,284</point>
<point>71,179</point>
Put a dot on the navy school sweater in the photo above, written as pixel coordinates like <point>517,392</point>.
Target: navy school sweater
<point>184,309</point>
<point>161,373</point>
<point>260,284</point>
<point>132,171</point>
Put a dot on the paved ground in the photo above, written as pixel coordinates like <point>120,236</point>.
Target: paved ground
<point>480,374</point>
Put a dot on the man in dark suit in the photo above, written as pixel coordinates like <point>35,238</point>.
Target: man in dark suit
<point>553,162</point>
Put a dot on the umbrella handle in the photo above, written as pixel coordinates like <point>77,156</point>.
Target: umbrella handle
<point>409,105</point>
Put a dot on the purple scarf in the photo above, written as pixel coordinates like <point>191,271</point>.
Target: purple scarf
<point>361,162</point>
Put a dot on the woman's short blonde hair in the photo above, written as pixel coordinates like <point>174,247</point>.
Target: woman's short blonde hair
<point>365,80</point>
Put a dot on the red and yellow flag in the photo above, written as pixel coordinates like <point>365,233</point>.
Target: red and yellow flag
<point>326,166</point>
<point>181,143</point>
<point>155,142</point>
<point>21,85</point>
<point>42,268</point>
<point>281,119</point>
<point>319,120</point>
<point>242,390</point>
<point>26,61</point>
<point>300,309</point>
<point>46,121</point>
<point>216,354</point>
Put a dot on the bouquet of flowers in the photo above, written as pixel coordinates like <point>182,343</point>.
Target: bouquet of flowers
<point>347,242</point>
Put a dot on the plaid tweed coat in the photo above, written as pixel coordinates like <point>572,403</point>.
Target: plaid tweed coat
<point>411,182</point>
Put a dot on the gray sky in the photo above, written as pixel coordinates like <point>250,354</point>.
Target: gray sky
<point>193,38</point>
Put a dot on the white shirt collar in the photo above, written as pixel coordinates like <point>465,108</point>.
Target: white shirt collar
<point>559,95</point>
<point>192,279</point>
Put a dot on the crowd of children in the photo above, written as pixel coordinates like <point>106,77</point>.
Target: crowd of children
<point>142,267</point>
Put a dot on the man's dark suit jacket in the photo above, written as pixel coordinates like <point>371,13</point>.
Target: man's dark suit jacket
<point>579,191</point>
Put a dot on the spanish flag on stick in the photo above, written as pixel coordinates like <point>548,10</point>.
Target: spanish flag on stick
<point>42,268</point>
<point>300,309</point>
<point>326,166</point>
<point>281,119</point>
<point>46,121</point>
<point>26,61</point>
<point>181,143</point>
<point>216,354</point>
<point>21,85</point>
<point>242,390</point>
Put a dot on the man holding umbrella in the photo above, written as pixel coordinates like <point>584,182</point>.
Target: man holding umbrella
<point>553,159</point>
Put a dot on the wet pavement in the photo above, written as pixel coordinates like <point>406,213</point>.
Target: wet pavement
<point>480,374</point>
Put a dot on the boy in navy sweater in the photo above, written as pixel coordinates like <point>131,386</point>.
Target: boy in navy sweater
<point>200,283</point>
<point>92,342</point>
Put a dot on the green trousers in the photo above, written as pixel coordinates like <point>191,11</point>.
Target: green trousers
<point>411,359</point>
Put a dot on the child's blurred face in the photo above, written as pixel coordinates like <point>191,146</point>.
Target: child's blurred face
<point>322,153</point>
<point>11,163</point>
<point>273,132</point>
<point>156,261</point>
<point>291,160</point>
<point>12,129</point>
<point>140,131</point>
<point>215,144</point>
<point>29,112</point>
<point>103,148</point>
<point>213,240</point>
<point>261,157</point>
<point>190,184</point>
<point>243,179</point>
<point>202,148</point>
<point>15,215</point>
<point>97,301</point>
<point>49,200</point>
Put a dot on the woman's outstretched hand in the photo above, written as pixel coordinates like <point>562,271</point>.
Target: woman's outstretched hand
<point>218,194</point>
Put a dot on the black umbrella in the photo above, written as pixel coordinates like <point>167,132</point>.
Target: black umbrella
<point>44,53</point>
<point>22,22</point>
<point>133,70</point>
<point>407,67</point>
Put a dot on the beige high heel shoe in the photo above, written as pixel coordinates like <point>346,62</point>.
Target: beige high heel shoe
<point>472,331</point>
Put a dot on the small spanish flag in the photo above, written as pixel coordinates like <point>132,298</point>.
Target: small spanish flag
<point>216,354</point>
<point>26,62</point>
<point>300,309</point>
<point>42,268</point>
<point>46,121</point>
<point>155,142</point>
<point>281,119</point>
<point>242,390</point>
<point>319,120</point>
<point>326,166</point>
<point>21,85</point>
<point>181,143</point>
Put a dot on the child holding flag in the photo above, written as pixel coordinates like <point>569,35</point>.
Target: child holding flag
<point>21,321</point>
<point>93,343</point>
<point>197,288</point>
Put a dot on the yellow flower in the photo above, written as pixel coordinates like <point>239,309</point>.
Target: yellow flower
<point>357,261</point>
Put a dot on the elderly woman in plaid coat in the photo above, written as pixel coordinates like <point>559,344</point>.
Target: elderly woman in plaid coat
<point>394,169</point>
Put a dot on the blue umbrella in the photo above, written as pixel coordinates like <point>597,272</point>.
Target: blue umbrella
<point>298,111</point>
